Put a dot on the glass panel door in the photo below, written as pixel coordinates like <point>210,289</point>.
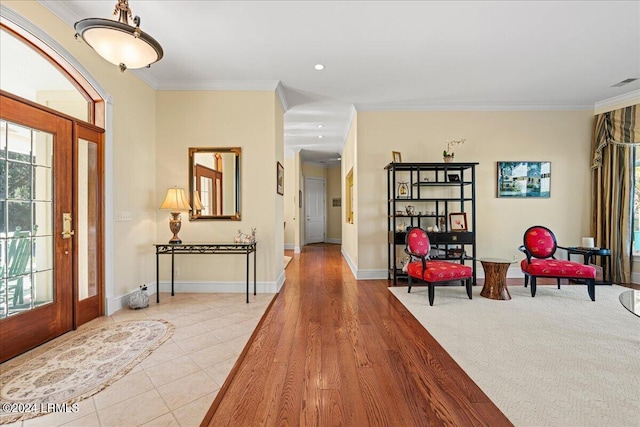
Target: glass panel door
<point>26,216</point>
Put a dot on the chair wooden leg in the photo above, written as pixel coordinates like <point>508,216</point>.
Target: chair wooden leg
<point>409,291</point>
<point>558,279</point>
<point>468,283</point>
<point>533,286</point>
<point>591,288</point>
<point>526,280</point>
<point>431,292</point>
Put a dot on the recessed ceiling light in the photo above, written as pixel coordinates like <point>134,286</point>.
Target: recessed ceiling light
<point>318,67</point>
<point>320,126</point>
<point>320,136</point>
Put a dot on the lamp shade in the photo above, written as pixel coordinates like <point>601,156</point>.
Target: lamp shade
<point>175,200</point>
<point>118,42</point>
<point>197,204</point>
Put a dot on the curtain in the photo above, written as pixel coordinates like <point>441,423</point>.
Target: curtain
<point>616,133</point>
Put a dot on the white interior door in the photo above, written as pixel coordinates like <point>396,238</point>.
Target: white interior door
<point>315,209</point>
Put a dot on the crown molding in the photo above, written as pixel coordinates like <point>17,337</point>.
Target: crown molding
<point>282,97</point>
<point>345,133</point>
<point>616,100</point>
<point>471,107</point>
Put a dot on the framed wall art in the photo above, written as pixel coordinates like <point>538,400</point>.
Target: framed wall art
<point>396,157</point>
<point>524,179</point>
<point>280,178</point>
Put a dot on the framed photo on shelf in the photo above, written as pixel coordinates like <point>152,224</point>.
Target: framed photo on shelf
<point>396,157</point>
<point>453,177</point>
<point>524,179</point>
<point>458,221</point>
<point>280,178</point>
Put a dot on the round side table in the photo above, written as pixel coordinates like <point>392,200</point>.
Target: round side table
<point>495,278</point>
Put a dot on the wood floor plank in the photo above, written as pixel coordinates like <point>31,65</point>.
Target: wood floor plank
<point>337,351</point>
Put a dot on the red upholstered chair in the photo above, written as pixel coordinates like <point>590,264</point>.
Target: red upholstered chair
<point>540,247</point>
<point>432,271</point>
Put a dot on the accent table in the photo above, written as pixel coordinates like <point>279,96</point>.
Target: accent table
<point>206,249</point>
<point>631,301</point>
<point>588,253</point>
<point>495,278</point>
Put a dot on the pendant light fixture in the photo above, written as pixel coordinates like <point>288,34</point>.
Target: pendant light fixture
<point>117,41</point>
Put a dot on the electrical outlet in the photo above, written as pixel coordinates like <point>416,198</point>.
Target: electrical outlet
<point>176,271</point>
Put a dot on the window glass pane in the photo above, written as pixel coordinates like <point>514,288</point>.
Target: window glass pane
<point>3,298</point>
<point>42,216</point>
<point>19,216</point>
<point>42,148</point>
<point>19,294</point>
<point>43,253</point>
<point>43,287</point>
<point>43,83</point>
<point>19,181</point>
<point>3,179</point>
<point>18,143</point>
<point>43,183</point>
<point>3,139</point>
<point>636,208</point>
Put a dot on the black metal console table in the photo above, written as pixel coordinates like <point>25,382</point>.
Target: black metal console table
<point>205,249</point>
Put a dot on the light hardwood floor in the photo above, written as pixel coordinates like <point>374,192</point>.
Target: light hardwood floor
<point>335,351</point>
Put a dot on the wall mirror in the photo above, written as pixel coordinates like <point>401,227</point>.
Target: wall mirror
<point>214,183</point>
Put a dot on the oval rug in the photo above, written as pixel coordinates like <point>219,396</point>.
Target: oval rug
<point>78,367</point>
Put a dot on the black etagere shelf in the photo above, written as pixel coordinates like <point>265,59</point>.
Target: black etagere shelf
<point>434,190</point>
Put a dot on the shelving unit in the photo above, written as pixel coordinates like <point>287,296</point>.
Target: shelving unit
<point>434,192</point>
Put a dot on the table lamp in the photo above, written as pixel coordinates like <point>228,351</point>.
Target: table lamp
<point>197,204</point>
<point>175,202</point>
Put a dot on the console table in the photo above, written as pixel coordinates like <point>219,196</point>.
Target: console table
<point>204,249</point>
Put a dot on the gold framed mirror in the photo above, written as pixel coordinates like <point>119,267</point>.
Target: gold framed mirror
<point>214,183</point>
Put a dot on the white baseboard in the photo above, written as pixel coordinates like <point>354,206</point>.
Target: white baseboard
<point>350,263</point>
<point>371,274</point>
<point>119,302</point>
<point>296,250</point>
<point>334,241</point>
<point>289,246</point>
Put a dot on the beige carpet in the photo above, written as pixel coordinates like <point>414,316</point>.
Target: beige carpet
<point>558,359</point>
<point>79,365</point>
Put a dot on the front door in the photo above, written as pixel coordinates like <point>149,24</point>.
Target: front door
<point>36,208</point>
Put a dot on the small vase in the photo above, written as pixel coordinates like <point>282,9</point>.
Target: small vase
<point>448,159</point>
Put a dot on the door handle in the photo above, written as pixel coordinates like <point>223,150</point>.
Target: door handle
<point>67,232</point>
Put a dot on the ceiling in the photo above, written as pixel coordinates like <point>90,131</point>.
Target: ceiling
<point>389,55</point>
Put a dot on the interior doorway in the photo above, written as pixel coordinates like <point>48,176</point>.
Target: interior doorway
<point>315,210</point>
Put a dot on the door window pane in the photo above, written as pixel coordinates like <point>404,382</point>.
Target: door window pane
<point>26,225</point>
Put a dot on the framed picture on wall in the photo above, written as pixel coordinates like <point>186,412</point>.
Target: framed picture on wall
<point>524,179</point>
<point>280,178</point>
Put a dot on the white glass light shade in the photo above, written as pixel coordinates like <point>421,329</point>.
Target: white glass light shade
<point>116,42</point>
<point>175,200</point>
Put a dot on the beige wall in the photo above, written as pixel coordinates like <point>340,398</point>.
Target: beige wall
<point>131,136</point>
<point>561,137</point>
<point>334,213</point>
<point>251,120</point>
<point>290,202</point>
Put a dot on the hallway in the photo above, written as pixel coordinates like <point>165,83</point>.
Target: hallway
<point>336,351</point>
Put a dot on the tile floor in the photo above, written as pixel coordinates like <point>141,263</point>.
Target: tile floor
<point>176,384</point>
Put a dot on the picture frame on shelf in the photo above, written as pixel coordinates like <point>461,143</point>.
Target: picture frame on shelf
<point>453,177</point>
<point>396,157</point>
<point>280,178</point>
<point>524,179</point>
<point>458,221</point>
